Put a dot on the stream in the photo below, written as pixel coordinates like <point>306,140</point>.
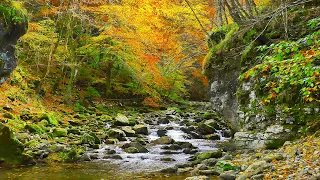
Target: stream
<point>122,165</point>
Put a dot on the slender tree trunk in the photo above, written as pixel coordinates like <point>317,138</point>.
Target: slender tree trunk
<point>219,12</point>
<point>108,79</point>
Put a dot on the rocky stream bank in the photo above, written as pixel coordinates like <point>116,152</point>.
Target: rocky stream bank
<point>188,141</point>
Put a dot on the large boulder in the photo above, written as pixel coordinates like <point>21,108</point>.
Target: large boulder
<point>13,24</point>
<point>121,120</point>
<point>11,150</point>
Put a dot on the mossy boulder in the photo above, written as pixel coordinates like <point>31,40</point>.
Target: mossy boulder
<point>134,147</point>
<point>128,131</point>
<point>210,154</point>
<point>131,150</point>
<point>11,150</point>
<point>121,120</point>
<point>52,120</point>
<point>96,138</point>
<point>87,139</point>
<point>141,129</point>
<point>163,140</point>
<point>116,133</point>
<point>34,128</point>
<point>59,132</point>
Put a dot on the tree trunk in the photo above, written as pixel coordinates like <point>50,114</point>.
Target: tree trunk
<point>108,79</point>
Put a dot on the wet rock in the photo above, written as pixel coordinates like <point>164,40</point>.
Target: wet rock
<point>210,162</point>
<point>205,129</point>
<point>163,140</point>
<point>94,156</point>
<point>190,151</point>
<point>209,172</point>
<point>131,150</point>
<point>184,170</point>
<point>111,141</point>
<point>85,157</point>
<point>128,131</point>
<point>228,175</point>
<point>210,154</point>
<point>174,147</point>
<point>110,151</point>
<point>169,170</point>
<point>121,120</point>
<point>163,121</point>
<point>116,133</point>
<point>169,152</point>
<point>188,164</point>
<point>227,133</point>
<point>187,129</point>
<point>118,157</point>
<point>198,178</point>
<point>186,145</point>
<point>136,145</point>
<point>141,129</point>
<point>212,136</point>
<point>167,159</point>
<point>161,132</point>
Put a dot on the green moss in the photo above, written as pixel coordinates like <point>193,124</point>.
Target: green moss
<point>275,144</point>
<point>210,154</point>
<point>34,128</point>
<point>10,148</point>
<point>50,118</point>
<point>226,166</point>
<point>13,13</point>
<point>59,132</point>
<point>217,48</point>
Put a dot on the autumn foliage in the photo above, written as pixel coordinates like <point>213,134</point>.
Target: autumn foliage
<point>151,49</point>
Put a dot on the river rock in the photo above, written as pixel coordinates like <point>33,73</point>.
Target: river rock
<point>210,162</point>
<point>141,129</point>
<point>184,170</point>
<point>212,136</point>
<point>131,150</point>
<point>161,132</point>
<point>170,170</point>
<point>209,172</point>
<point>205,129</point>
<point>163,140</point>
<point>163,121</point>
<point>136,145</point>
<point>121,120</point>
<point>210,154</point>
<point>11,150</point>
<point>128,131</point>
<point>228,175</point>
<point>197,178</point>
<point>116,133</point>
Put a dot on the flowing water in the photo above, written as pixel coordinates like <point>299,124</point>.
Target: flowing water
<point>130,166</point>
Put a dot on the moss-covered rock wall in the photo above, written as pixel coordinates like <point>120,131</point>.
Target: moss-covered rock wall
<point>233,52</point>
<point>13,24</point>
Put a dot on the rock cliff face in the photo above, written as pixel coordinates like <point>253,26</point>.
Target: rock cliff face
<point>13,24</point>
<point>232,52</point>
